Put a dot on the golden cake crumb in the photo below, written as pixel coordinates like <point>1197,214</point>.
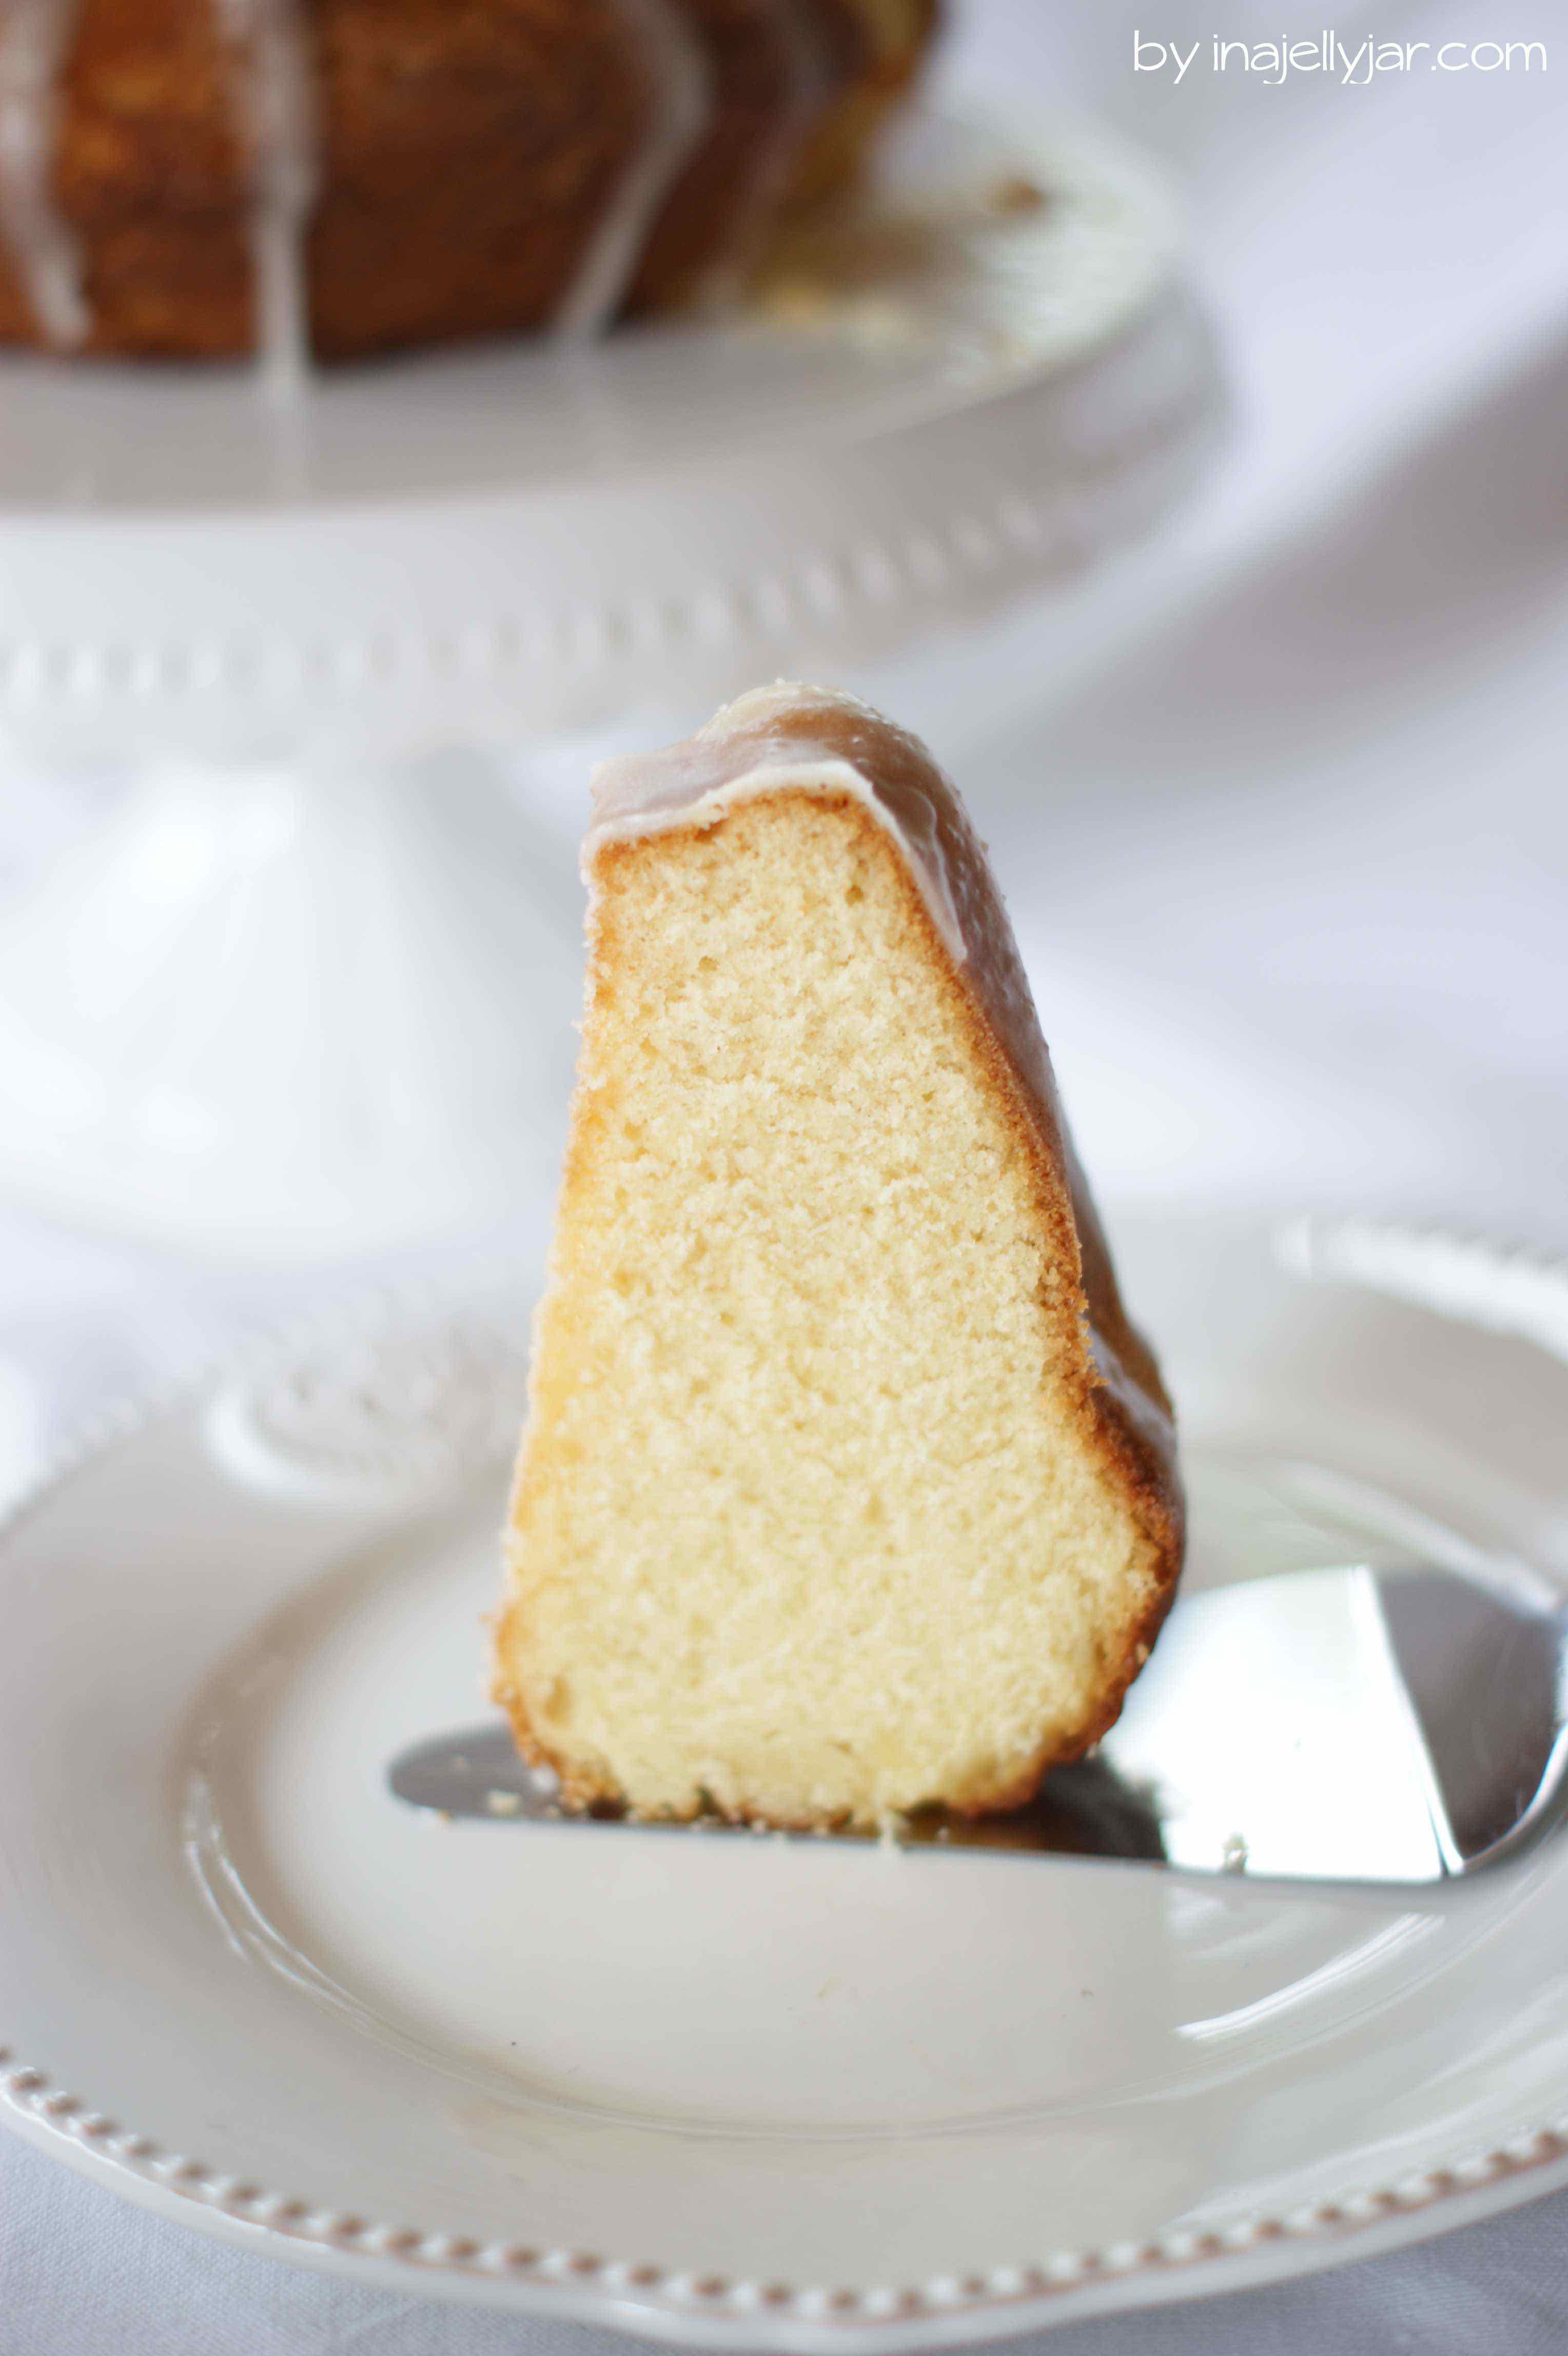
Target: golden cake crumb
<point>847,1489</point>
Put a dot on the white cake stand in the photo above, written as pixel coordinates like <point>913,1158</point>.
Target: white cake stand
<point>307,991</point>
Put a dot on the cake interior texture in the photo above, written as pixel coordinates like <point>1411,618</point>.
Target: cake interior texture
<point>819,1518</point>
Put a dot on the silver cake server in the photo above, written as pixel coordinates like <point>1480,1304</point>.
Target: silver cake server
<point>1349,1724</point>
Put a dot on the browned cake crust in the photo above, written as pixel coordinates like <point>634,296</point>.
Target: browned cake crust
<point>467,152</point>
<point>1123,1411</point>
<point>888,42</point>
<point>773,82</point>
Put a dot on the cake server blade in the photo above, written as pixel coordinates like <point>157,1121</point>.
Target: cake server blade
<point>1347,1724</point>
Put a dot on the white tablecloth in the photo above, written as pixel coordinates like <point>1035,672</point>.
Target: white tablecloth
<point>1281,811</point>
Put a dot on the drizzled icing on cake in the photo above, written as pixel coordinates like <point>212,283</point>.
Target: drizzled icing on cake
<point>810,86</point>
<point>740,753</point>
<point>34,37</point>
<point>681,105</point>
<point>812,83</point>
<point>276,101</point>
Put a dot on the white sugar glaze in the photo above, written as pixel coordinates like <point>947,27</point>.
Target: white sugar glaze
<point>808,69</point>
<point>276,103</point>
<point>693,783</point>
<point>681,90</point>
<point>35,36</point>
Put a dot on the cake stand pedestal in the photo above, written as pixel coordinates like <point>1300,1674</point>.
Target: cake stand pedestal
<point>306,993</point>
<point>290,1009</point>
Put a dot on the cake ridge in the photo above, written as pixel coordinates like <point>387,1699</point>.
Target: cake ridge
<point>773,78</point>
<point>681,85</point>
<point>809,75</point>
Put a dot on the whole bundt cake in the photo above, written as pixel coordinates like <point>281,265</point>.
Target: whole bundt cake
<point>208,178</point>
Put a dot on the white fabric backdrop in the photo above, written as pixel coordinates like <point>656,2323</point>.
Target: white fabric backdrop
<point>1281,811</point>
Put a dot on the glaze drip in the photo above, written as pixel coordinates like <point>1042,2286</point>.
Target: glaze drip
<point>34,37</point>
<point>276,103</point>
<point>680,87</point>
<point>741,752</point>
<point>810,86</point>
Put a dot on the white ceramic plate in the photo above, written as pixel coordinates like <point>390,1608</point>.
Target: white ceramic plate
<point>758,2094</point>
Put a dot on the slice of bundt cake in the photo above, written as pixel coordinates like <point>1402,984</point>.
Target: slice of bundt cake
<point>847,1487</point>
